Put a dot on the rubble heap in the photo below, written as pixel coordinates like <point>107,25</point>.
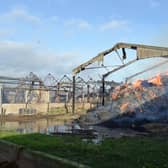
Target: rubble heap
<point>141,101</point>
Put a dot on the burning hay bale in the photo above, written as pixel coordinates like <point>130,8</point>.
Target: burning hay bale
<point>138,102</point>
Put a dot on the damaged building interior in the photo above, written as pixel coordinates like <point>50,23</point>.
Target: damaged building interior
<point>77,89</point>
<point>31,91</point>
<point>130,103</point>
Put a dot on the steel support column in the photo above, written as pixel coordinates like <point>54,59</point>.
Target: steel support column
<point>103,91</point>
<point>88,93</point>
<point>73,95</point>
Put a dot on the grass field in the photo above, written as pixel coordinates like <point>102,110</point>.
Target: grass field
<point>125,152</point>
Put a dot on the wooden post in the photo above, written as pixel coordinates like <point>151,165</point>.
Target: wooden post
<point>88,93</point>
<point>66,101</point>
<point>103,91</point>
<point>83,98</point>
<point>1,101</point>
<point>73,96</point>
<point>48,103</point>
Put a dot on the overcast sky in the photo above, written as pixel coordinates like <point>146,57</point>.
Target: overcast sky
<point>55,36</point>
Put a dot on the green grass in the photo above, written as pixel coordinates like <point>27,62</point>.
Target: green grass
<point>113,153</point>
<point>4,134</point>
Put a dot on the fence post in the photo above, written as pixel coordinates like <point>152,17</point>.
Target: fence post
<point>73,96</point>
<point>1,98</point>
<point>48,103</point>
<point>103,91</point>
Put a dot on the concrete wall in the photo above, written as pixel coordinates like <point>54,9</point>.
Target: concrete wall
<point>40,107</point>
<point>12,108</point>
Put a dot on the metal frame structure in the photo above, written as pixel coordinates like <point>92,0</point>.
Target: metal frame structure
<point>31,89</point>
<point>77,85</point>
<point>142,52</point>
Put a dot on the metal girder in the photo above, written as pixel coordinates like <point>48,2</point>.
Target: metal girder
<point>142,51</point>
<point>117,69</point>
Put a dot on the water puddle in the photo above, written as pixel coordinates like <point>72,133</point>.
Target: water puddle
<point>32,126</point>
<point>52,127</point>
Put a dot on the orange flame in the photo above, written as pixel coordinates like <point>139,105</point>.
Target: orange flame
<point>156,80</point>
<point>137,84</point>
<point>124,107</point>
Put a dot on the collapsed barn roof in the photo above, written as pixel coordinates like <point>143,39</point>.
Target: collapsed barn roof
<point>142,51</point>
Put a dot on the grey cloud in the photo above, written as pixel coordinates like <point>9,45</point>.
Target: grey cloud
<point>19,58</point>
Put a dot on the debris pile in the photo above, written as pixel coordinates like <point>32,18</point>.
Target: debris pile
<point>132,103</point>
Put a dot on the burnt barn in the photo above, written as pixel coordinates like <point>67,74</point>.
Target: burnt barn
<point>130,103</point>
